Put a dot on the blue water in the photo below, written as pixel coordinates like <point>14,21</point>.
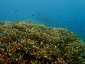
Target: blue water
<point>56,13</point>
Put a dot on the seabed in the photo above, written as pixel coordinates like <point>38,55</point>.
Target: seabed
<point>29,43</point>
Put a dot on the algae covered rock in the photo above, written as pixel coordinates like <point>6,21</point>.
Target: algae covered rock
<point>27,43</point>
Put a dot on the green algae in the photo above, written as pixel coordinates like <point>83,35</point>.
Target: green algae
<point>28,43</point>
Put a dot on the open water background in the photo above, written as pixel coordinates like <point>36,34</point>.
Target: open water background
<point>55,13</point>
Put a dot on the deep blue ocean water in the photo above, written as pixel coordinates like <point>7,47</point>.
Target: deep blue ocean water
<point>56,13</point>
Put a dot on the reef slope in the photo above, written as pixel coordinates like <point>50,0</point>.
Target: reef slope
<point>28,43</point>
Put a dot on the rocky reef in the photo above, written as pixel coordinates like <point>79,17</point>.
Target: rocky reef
<point>28,43</point>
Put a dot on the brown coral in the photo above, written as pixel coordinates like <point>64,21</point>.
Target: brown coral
<point>24,43</point>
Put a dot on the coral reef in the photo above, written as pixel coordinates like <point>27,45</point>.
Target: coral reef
<point>28,43</point>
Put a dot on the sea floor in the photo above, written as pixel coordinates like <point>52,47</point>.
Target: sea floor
<point>30,43</point>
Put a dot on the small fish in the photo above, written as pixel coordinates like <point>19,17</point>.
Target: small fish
<point>33,14</point>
